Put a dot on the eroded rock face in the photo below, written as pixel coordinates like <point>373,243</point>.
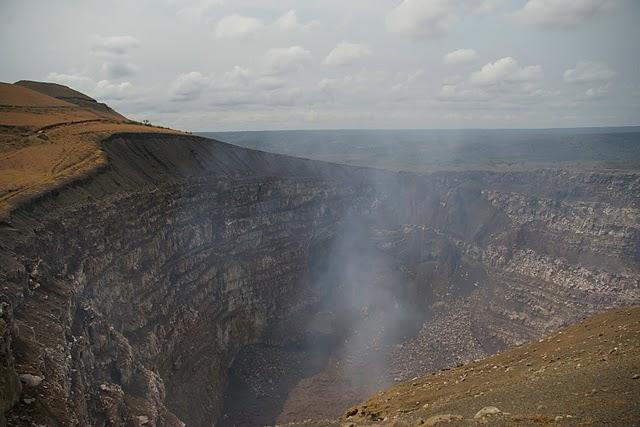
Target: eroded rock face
<point>522,254</point>
<point>476,263</point>
<point>134,293</point>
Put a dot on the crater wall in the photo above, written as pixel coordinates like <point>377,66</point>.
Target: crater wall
<point>189,275</point>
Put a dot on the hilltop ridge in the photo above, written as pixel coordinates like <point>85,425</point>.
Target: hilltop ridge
<point>65,93</point>
<point>49,136</point>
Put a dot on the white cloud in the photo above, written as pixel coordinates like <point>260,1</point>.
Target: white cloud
<point>114,50</point>
<point>77,81</point>
<point>347,53</point>
<point>114,45</point>
<point>421,19</point>
<point>289,21</point>
<point>597,92</point>
<point>103,90</point>
<point>281,60</point>
<point>198,10</point>
<point>189,86</point>
<point>563,13</point>
<point>269,83</point>
<point>505,70</point>
<point>430,19</point>
<point>350,86</point>
<point>243,78</point>
<point>106,90</point>
<point>448,91</point>
<point>453,80</point>
<point>482,6</point>
<point>502,83</point>
<point>238,76</point>
<point>592,78</point>
<point>405,87</point>
<point>118,70</point>
<point>496,96</point>
<point>241,73</point>
<point>589,72</point>
<point>236,87</point>
<point>460,92</point>
<point>460,56</point>
<point>237,26</point>
<point>328,85</point>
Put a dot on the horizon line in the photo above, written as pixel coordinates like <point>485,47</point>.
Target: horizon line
<point>421,129</point>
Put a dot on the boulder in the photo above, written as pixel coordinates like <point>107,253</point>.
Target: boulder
<point>31,380</point>
<point>487,410</point>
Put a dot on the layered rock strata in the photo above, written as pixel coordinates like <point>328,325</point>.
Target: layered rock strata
<point>140,294</point>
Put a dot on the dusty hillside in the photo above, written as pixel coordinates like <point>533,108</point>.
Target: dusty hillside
<point>49,136</point>
<point>586,374</point>
<point>54,90</point>
<point>72,96</point>
<point>18,96</point>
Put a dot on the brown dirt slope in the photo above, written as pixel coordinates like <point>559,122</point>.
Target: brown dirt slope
<point>47,142</point>
<point>72,96</point>
<point>586,374</point>
<point>54,90</point>
<point>18,96</point>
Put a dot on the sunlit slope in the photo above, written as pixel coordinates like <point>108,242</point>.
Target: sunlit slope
<point>586,374</point>
<point>49,136</point>
<point>18,96</point>
<point>72,96</point>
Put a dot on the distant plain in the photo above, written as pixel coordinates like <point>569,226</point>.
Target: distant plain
<point>431,150</point>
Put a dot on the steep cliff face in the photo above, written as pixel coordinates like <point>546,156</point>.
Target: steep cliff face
<point>530,251</point>
<point>189,281</point>
<point>134,289</point>
<point>449,267</point>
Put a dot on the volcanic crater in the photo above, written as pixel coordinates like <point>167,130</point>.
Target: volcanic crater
<point>183,280</point>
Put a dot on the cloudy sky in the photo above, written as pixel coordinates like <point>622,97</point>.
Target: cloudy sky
<point>302,64</point>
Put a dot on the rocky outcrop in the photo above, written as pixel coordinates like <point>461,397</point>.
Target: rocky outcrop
<point>140,294</point>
